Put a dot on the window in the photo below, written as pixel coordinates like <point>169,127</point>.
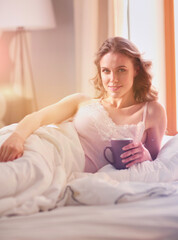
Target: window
<point>147,32</point>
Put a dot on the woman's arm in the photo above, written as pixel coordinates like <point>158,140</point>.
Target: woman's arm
<point>13,147</point>
<point>155,129</point>
<point>55,113</point>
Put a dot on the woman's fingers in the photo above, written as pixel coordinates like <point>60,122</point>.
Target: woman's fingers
<point>135,153</point>
<point>11,149</point>
<point>132,157</point>
<point>4,154</point>
<point>131,150</point>
<point>10,157</point>
<point>8,154</point>
<point>131,145</point>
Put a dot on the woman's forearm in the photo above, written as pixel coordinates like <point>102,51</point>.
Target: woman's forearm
<point>28,125</point>
<point>13,146</point>
<point>55,113</point>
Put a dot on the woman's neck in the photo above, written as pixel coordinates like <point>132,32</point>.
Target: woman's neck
<point>119,102</point>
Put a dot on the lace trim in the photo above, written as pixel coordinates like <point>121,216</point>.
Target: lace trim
<point>108,129</point>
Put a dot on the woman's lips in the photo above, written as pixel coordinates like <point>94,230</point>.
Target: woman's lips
<point>114,88</point>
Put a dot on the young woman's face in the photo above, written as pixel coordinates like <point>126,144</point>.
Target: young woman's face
<point>117,75</point>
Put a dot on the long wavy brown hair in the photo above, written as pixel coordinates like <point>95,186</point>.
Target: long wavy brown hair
<point>142,86</point>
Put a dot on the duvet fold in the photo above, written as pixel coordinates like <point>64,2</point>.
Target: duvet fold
<point>35,181</point>
<point>50,174</point>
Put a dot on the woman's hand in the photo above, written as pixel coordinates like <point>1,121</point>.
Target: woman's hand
<point>135,153</point>
<point>12,148</point>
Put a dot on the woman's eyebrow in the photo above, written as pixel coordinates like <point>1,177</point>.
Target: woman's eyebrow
<point>118,67</point>
<point>115,67</point>
<point>121,66</point>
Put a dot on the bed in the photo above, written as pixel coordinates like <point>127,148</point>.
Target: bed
<point>45,194</point>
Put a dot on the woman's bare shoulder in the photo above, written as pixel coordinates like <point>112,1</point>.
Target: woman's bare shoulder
<point>156,111</point>
<point>77,98</point>
<point>155,107</point>
<point>84,99</point>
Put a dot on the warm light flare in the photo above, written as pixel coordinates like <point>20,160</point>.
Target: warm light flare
<point>7,91</point>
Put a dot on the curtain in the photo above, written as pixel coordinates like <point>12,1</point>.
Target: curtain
<point>170,67</point>
<point>95,21</point>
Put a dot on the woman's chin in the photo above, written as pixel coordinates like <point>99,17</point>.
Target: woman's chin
<point>114,95</point>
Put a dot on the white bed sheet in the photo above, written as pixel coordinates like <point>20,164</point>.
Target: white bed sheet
<point>149,217</point>
<point>155,218</point>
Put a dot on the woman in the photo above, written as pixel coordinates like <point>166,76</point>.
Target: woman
<point>125,107</point>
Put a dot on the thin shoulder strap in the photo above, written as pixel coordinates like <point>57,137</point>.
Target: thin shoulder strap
<point>145,111</point>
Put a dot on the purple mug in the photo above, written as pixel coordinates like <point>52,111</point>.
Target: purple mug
<point>116,150</point>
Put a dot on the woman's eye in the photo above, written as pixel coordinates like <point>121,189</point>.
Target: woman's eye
<point>105,70</point>
<point>121,70</point>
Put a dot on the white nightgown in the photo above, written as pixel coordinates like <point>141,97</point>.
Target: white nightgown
<point>95,129</point>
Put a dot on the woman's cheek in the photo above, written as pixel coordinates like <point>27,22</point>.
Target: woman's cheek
<point>104,79</point>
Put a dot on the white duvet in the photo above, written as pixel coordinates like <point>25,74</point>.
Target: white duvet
<point>50,174</point>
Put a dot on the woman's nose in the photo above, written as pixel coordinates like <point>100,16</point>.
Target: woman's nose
<point>113,77</point>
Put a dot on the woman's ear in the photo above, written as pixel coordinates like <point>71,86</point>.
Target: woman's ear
<point>137,68</point>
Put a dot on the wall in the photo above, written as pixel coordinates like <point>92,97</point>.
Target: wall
<point>53,52</point>
<point>53,56</point>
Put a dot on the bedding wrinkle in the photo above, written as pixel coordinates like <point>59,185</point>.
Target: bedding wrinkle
<point>51,154</point>
<point>51,174</point>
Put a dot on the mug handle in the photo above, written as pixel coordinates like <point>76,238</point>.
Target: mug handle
<point>110,148</point>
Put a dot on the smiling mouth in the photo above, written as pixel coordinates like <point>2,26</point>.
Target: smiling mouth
<point>114,88</point>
